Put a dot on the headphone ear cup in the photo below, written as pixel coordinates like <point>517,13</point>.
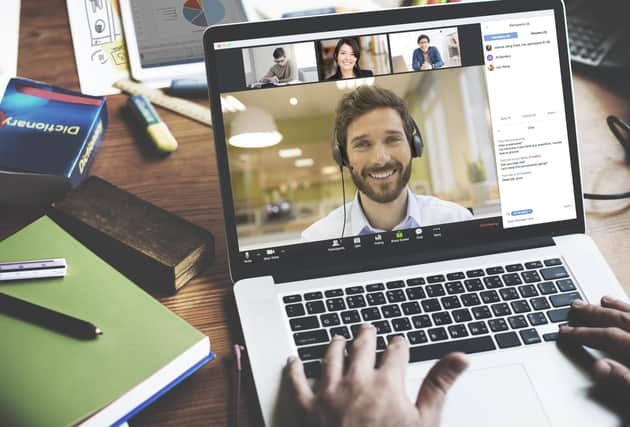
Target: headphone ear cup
<point>417,144</point>
<point>337,155</point>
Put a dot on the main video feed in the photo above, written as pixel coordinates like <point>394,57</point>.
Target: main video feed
<point>410,150</point>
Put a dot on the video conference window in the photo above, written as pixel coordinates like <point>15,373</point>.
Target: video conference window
<point>291,191</point>
<point>353,57</point>
<point>280,65</point>
<point>425,50</point>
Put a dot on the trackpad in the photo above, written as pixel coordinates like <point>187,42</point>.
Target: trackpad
<point>498,396</point>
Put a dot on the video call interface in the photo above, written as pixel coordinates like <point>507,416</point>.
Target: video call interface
<point>408,135</point>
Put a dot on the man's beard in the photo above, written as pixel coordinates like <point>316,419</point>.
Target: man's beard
<point>382,193</point>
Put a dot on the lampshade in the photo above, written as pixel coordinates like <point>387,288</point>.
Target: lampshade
<point>254,128</point>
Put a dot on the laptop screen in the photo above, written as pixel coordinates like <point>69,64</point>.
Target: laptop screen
<point>368,141</point>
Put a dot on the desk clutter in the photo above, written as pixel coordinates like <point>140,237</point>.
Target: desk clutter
<point>50,378</point>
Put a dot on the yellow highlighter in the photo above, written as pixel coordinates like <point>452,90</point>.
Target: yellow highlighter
<point>159,134</point>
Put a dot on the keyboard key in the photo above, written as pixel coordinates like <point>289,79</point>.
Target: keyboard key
<point>391,310</point>
<point>561,300</point>
<point>517,322</point>
<point>539,303</point>
<point>289,299</point>
<point>309,296</point>
<point>302,323</point>
<point>441,318</point>
<point>351,316</point>
<point>437,334</point>
<point>355,328</point>
<point>294,310</point>
<point>396,295</point>
<point>473,285</point>
<point>520,306</point>
<point>439,350</point>
<point>458,331</point>
<point>492,282</point>
<point>528,291</point>
<point>477,328</point>
<point>417,337</point>
<point>429,305</point>
<point>512,279</point>
<point>416,281</point>
<point>462,315</point>
<point>371,313</point>
<point>470,299</point>
<point>554,273</point>
<point>382,327</point>
<point>331,293</point>
<point>536,319</point>
<point>341,330</point>
<point>529,336</point>
<point>455,276</point>
<point>514,267</point>
<point>380,343</point>
<point>315,307</point>
<point>313,352</point>
<point>422,321</point>
<point>481,312</point>
<point>553,261</point>
<point>435,290</point>
<point>436,278</point>
<point>310,337</point>
<point>352,290</point>
<point>396,284</point>
<point>375,287</point>
<point>489,297</point>
<point>377,298</point>
<point>415,293</point>
<point>410,308</point>
<point>501,309</point>
<point>455,288</point>
<point>498,325</point>
<point>450,302</point>
<point>507,339</point>
<point>551,336</point>
<point>335,304</point>
<point>534,264</point>
<point>565,285</point>
<point>508,294</point>
<point>330,319</point>
<point>313,369</point>
<point>559,315</point>
<point>495,270</point>
<point>475,273</point>
<point>530,276</point>
<point>355,301</point>
<point>401,324</point>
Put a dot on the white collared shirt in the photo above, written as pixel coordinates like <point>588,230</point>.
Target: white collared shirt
<point>421,211</point>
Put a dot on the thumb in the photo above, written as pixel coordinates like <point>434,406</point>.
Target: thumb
<point>438,381</point>
<point>613,374</point>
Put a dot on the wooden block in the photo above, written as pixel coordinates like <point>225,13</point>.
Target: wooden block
<point>156,249</point>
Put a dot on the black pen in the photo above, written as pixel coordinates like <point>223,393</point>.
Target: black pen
<point>47,318</point>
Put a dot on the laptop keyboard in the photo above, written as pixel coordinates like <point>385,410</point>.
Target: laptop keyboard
<point>474,311</point>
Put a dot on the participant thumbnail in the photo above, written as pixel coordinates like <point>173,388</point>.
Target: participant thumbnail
<point>280,65</point>
<point>352,57</point>
<point>425,50</point>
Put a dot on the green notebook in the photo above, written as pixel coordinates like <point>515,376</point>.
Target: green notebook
<point>50,379</point>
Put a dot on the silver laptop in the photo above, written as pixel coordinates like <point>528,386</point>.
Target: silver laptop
<point>418,171</point>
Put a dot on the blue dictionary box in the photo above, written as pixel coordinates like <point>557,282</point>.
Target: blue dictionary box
<point>48,139</point>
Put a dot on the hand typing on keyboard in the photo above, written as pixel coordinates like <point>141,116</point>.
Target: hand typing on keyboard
<point>361,395</point>
<point>605,328</point>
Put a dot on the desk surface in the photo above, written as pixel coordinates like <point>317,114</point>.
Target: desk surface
<point>186,183</point>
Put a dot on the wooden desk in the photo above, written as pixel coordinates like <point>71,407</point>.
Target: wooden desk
<point>186,183</point>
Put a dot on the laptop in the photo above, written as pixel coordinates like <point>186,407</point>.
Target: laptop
<point>464,129</point>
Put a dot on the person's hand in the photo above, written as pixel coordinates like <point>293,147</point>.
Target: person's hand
<point>274,79</point>
<point>605,328</point>
<point>426,66</point>
<point>364,396</point>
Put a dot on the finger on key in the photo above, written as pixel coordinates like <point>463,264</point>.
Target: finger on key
<point>593,315</point>
<point>333,361</point>
<point>612,340</point>
<point>395,358</point>
<point>611,302</point>
<point>363,353</point>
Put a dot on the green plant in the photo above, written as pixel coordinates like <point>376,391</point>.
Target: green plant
<point>476,171</point>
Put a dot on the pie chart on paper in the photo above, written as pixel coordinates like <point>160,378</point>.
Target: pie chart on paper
<point>203,13</point>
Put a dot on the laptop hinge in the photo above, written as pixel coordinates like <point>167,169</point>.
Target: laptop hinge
<point>292,275</point>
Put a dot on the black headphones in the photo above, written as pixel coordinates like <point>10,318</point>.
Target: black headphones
<point>415,143</point>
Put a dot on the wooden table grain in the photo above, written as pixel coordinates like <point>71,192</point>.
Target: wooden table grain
<point>186,183</point>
